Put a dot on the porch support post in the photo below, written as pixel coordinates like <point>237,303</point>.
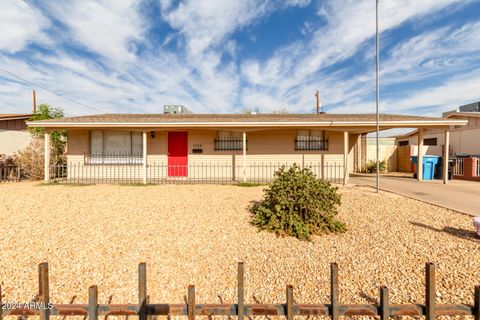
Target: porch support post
<point>446,151</point>
<point>345,158</point>
<point>145,157</point>
<point>244,156</point>
<point>47,156</point>
<point>420,155</point>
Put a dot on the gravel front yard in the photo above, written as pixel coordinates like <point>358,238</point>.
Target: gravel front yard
<point>191,234</point>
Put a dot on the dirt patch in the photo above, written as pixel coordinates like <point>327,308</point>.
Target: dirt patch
<point>195,234</point>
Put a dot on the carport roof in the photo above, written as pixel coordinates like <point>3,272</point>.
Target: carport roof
<point>244,120</point>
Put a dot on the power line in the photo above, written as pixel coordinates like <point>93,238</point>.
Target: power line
<point>55,93</point>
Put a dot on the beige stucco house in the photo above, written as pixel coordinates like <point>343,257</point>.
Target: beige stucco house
<point>228,147</point>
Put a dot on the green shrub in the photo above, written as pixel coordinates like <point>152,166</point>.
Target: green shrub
<point>371,166</point>
<point>298,204</point>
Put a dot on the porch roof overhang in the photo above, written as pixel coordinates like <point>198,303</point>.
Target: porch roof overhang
<point>351,122</point>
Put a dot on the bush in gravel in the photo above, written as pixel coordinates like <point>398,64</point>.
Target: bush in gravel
<point>31,159</point>
<point>371,166</point>
<point>298,204</point>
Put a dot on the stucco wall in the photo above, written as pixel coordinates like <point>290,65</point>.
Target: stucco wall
<point>13,141</point>
<point>267,149</point>
<point>461,141</point>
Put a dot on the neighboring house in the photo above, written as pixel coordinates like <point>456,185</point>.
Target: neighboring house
<point>151,147</point>
<point>463,140</point>
<point>13,134</point>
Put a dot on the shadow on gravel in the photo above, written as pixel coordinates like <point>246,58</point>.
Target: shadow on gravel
<point>460,233</point>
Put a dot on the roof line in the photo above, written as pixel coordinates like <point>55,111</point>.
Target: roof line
<point>245,124</point>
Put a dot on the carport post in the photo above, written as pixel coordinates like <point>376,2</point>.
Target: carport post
<point>47,156</point>
<point>420,155</point>
<point>244,137</point>
<point>144,157</point>
<point>446,151</point>
<point>345,158</point>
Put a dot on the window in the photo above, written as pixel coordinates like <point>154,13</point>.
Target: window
<point>430,142</point>
<point>115,147</point>
<point>311,140</point>
<point>228,141</point>
<point>403,143</point>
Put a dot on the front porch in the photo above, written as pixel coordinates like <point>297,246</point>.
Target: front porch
<point>201,147</point>
<point>199,155</point>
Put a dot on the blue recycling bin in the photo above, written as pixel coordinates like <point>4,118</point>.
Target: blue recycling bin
<point>429,163</point>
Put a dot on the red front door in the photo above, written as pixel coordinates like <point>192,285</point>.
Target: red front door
<point>177,154</point>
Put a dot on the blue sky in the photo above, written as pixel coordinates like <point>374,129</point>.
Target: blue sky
<point>222,56</point>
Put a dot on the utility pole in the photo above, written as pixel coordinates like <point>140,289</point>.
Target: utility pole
<point>34,101</point>
<point>319,104</point>
<point>377,94</point>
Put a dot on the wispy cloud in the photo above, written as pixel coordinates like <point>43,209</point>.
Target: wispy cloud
<point>20,24</point>
<point>109,28</point>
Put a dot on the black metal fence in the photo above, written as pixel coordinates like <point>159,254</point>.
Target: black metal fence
<point>228,144</point>
<point>311,143</point>
<point>113,158</point>
<point>201,173</point>
<point>288,309</point>
<point>11,173</point>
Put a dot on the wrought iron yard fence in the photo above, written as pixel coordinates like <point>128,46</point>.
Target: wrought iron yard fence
<point>11,173</point>
<point>288,309</point>
<point>458,167</point>
<point>201,173</point>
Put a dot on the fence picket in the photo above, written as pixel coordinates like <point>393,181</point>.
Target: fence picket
<point>93,303</point>
<point>240,292</point>
<point>476,305</point>
<point>430,291</point>
<point>142,291</point>
<point>334,312</point>
<point>289,312</point>
<point>191,302</point>
<point>384,304</point>
<point>43,291</point>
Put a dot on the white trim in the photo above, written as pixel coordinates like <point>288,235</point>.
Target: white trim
<point>248,124</point>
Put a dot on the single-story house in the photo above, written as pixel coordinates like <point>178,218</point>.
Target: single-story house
<point>237,147</point>
<point>464,141</point>
<point>13,134</point>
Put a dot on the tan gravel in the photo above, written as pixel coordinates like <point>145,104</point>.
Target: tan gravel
<point>195,234</point>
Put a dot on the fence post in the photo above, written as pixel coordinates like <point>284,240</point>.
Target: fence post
<point>289,302</point>
<point>384,303</point>
<point>476,307</point>
<point>430,291</point>
<point>47,157</point>
<point>43,292</point>
<point>334,290</point>
<point>191,302</point>
<point>93,303</point>
<point>142,291</point>
<point>240,292</point>
<point>1,304</point>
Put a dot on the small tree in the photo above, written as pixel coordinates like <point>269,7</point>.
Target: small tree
<point>298,204</point>
<point>57,138</point>
<point>31,159</point>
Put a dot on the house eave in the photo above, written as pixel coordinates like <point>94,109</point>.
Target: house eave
<point>240,124</point>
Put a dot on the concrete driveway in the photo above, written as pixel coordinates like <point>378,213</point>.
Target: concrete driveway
<point>459,195</point>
